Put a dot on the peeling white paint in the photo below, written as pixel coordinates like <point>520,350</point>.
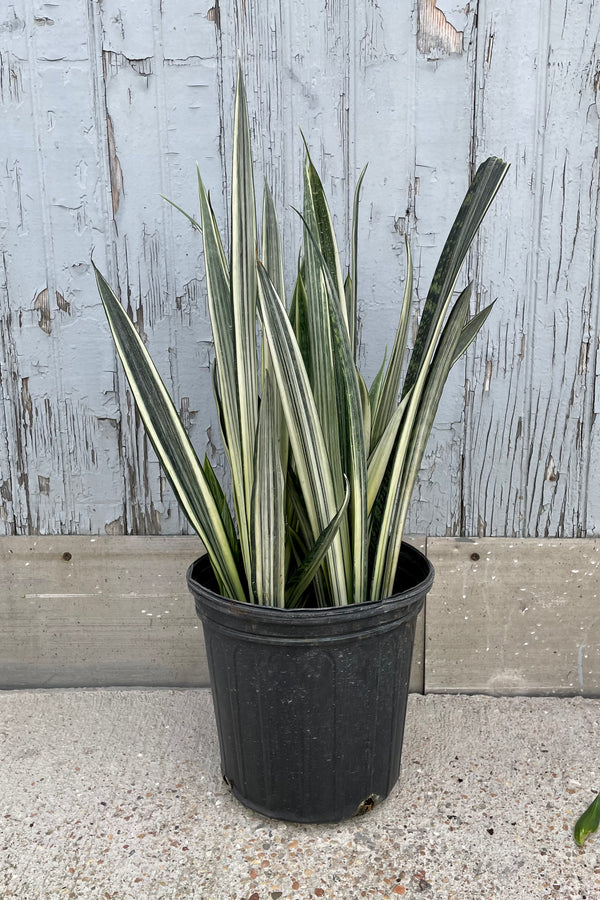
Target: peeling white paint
<point>104,106</point>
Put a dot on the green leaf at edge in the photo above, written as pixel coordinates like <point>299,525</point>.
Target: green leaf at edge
<point>588,822</point>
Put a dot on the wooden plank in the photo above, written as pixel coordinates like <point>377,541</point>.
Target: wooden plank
<point>104,106</point>
<point>531,416</point>
<point>80,611</point>
<point>89,612</point>
<point>383,38</point>
<point>59,446</point>
<point>152,84</point>
<point>514,617</point>
<point>444,86</point>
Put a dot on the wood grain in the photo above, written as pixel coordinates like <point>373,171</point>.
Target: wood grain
<point>104,106</point>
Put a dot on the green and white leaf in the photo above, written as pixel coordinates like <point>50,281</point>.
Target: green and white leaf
<point>272,260</point>
<point>220,308</point>
<point>268,507</point>
<point>420,429</point>
<point>351,294</point>
<point>355,454</point>
<point>171,443</point>
<point>306,436</point>
<point>484,187</point>
<point>387,394</point>
<point>381,455</point>
<point>244,290</point>
<point>313,559</point>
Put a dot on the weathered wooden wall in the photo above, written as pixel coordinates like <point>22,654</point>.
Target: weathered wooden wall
<point>107,104</point>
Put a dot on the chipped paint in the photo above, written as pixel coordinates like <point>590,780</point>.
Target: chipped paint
<point>436,37</point>
<point>116,173</point>
<point>114,95</point>
<point>214,15</point>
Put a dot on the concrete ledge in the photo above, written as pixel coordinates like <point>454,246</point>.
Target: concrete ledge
<point>510,617</point>
<point>118,794</point>
<point>504,616</point>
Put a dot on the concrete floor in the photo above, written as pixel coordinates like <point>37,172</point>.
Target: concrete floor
<point>113,793</point>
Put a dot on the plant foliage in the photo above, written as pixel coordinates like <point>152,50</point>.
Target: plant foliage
<point>322,468</point>
<point>588,822</point>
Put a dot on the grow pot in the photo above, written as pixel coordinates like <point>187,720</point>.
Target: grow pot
<point>310,703</point>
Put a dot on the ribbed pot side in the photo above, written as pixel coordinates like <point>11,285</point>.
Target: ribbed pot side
<point>310,704</point>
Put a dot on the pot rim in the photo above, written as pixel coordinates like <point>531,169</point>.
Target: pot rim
<point>358,616</point>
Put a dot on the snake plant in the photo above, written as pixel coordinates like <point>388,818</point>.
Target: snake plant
<point>322,467</point>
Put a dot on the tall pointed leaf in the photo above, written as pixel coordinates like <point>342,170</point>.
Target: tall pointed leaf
<point>272,260</point>
<point>483,189</point>
<point>386,525</point>
<point>170,441</point>
<point>352,294</point>
<point>355,454</point>
<point>319,243</point>
<point>377,382</point>
<point>299,319</point>
<point>220,307</point>
<point>223,507</point>
<point>311,563</point>
<point>268,510</point>
<point>420,428</point>
<point>381,455</point>
<point>387,396</point>
<point>319,219</point>
<point>306,436</point>
<point>244,285</point>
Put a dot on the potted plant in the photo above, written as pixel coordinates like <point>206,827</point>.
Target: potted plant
<point>307,593</point>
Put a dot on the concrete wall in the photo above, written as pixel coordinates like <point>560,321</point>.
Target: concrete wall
<point>107,104</point>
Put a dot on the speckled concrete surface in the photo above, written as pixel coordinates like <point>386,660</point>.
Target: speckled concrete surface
<point>111,793</point>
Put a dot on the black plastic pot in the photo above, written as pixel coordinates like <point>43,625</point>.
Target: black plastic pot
<point>310,704</point>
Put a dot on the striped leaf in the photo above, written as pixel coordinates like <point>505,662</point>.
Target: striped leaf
<point>220,308</point>
<point>387,394</point>
<point>352,293</point>
<point>272,260</point>
<point>381,455</point>
<point>319,244</point>
<point>313,559</point>
<point>268,509</point>
<point>223,507</point>
<point>420,429</point>
<point>306,435</point>
<point>316,212</point>
<point>355,454</point>
<point>484,187</point>
<point>243,292</point>
<point>171,443</point>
